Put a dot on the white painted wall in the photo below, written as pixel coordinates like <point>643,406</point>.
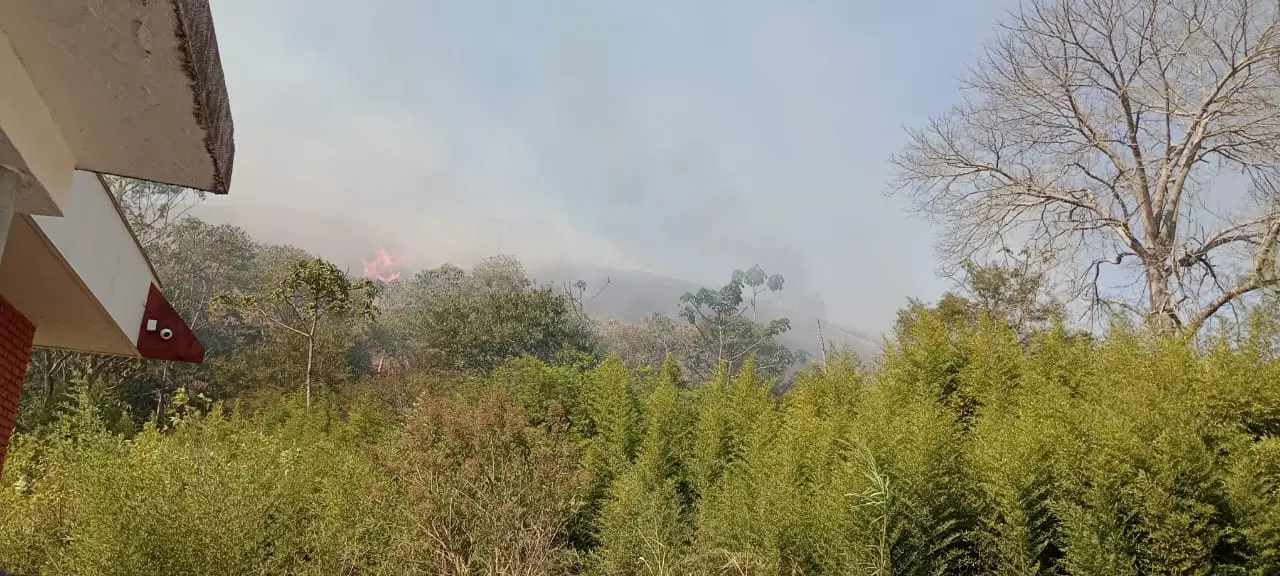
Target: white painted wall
<point>96,242</point>
<point>30,139</point>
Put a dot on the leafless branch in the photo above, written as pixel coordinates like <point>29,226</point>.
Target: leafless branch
<point>1101,125</point>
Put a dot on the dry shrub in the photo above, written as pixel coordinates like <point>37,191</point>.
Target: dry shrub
<point>486,493</point>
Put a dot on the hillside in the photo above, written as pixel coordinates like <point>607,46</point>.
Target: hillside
<point>628,295</point>
<point>631,295</point>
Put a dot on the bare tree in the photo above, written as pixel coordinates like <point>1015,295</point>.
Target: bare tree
<point>152,208</point>
<point>1109,133</point>
<point>648,343</point>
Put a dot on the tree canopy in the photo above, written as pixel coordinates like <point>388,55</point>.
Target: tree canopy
<point>724,334</point>
<point>1105,132</point>
<point>464,321</point>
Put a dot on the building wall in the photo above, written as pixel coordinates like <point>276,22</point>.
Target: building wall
<point>95,241</point>
<point>16,335</point>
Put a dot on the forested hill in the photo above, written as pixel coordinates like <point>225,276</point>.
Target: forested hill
<point>626,295</point>
<point>631,295</point>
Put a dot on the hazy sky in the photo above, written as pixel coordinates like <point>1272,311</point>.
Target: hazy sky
<point>686,138</point>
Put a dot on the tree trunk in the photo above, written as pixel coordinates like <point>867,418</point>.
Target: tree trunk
<point>1163,317</point>
<point>47,385</point>
<point>822,344</point>
<point>311,346</point>
<point>46,381</point>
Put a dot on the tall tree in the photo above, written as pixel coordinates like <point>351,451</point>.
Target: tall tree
<point>313,290</point>
<point>196,261</point>
<point>1106,131</point>
<point>471,321</point>
<point>1013,292</point>
<point>725,334</point>
<point>650,342</point>
<point>757,282</point>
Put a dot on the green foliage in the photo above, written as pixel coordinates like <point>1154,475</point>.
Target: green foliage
<point>212,495</point>
<point>485,493</point>
<point>551,396</point>
<point>967,451</point>
<point>614,414</point>
<point>645,526</point>
<point>199,263</point>
<point>725,335</point>
<point>462,487</point>
<point>311,291</point>
<point>471,321</point>
<point>1011,293</point>
<point>279,363</point>
<point>989,439</point>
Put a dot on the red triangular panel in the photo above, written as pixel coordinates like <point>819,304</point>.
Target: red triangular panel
<point>182,344</point>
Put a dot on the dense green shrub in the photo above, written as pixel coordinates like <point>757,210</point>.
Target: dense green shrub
<point>966,450</point>
<point>462,487</point>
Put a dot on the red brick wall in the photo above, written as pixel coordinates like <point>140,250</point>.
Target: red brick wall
<point>16,333</point>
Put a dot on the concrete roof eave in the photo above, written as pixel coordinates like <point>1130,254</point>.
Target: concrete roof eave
<point>135,89</point>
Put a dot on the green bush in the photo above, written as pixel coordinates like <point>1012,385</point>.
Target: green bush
<point>965,451</point>
<point>458,489</point>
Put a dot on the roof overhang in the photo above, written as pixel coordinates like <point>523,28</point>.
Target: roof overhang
<point>125,87</point>
<point>135,88</point>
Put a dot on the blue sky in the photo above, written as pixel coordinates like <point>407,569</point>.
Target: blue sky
<point>685,138</point>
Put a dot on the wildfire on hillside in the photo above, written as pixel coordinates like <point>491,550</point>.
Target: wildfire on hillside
<point>383,267</point>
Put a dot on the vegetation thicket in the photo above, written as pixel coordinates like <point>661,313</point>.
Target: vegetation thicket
<point>475,421</point>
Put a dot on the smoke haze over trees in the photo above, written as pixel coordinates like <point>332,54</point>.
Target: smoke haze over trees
<point>1097,392</point>
<point>988,438</point>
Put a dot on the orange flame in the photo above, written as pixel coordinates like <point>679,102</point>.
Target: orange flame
<point>383,267</point>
